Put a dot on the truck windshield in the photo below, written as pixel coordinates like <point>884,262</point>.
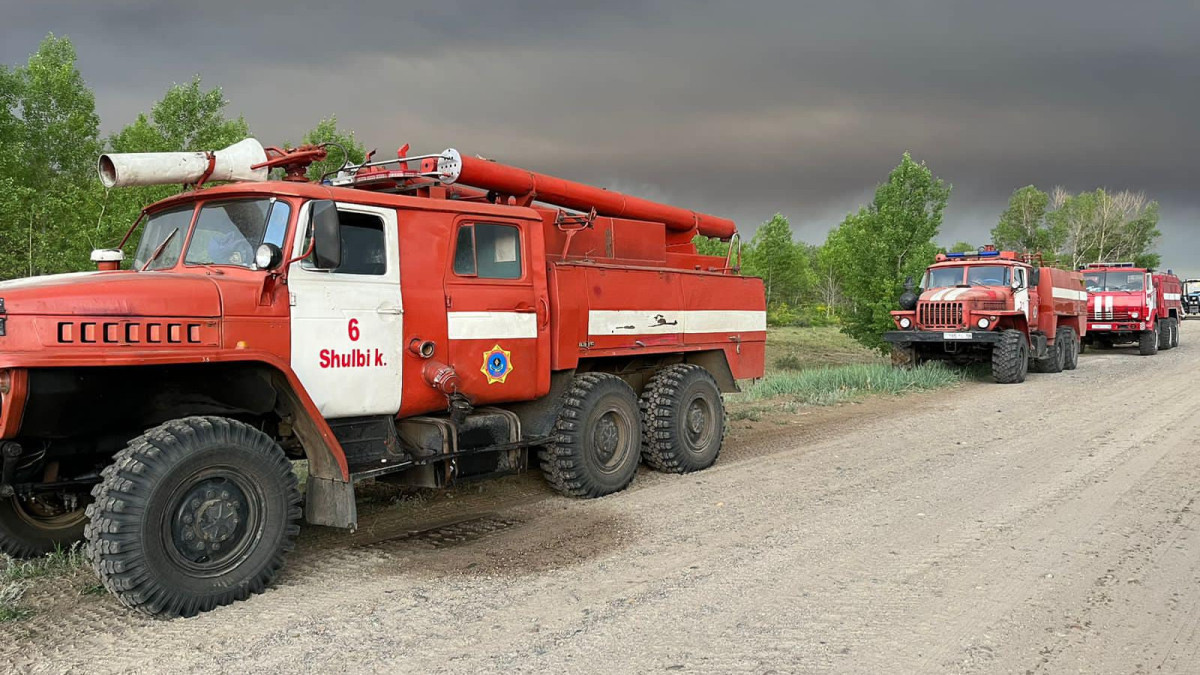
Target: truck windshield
<point>970,275</point>
<point>1098,282</point>
<point>228,233</point>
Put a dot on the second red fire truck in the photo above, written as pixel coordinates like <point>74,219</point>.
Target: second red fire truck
<point>1129,304</point>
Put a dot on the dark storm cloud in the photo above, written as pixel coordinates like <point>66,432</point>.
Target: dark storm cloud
<point>742,109</point>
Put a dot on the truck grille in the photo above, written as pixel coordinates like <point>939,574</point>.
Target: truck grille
<point>940,315</point>
<point>1109,315</point>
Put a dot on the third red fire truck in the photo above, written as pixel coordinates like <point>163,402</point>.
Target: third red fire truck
<point>1129,304</point>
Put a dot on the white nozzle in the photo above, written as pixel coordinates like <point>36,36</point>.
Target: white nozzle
<point>164,168</point>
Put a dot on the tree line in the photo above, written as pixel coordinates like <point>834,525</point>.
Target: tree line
<point>54,210</point>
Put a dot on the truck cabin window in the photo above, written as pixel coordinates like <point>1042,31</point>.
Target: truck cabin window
<point>967,275</point>
<point>166,230</point>
<point>364,247</point>
<point>228,233</point>
<point>488,251</point>
<point>1098,282</point>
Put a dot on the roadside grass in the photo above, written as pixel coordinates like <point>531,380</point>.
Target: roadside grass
<point>803,348</point>
<point>830,385</point>
<point>16,575</point>
<point>823,366</point>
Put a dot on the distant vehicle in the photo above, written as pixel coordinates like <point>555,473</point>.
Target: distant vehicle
<point>1129,304</point>
<point>1191,297</point>
<point>992,306</point>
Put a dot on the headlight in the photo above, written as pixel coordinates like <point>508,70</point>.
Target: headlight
<point>1135,315</point>
<point>983,323</point>
<point>905,322</point>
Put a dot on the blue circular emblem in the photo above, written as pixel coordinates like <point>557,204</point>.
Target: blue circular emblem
<point>497,364</point>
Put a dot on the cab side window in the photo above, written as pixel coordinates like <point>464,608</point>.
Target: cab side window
<point>364,246</point>
<point>488,251</point>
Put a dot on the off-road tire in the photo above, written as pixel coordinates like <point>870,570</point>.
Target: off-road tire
<point>598,438</point>
<point>1010,357</point>
<point>25,534</point>
<point>683,420</point>
<point>904,356</point>
<point>1148,342</point>
<point>1053,363</point>
<point>1164,334</point>
<point>1175,332</point>
<point>150,501</point>
<point>1071,347</point>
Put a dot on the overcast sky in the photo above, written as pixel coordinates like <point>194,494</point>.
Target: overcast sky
<point>742,109</point>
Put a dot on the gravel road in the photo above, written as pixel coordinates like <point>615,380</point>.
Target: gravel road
<point>1044,527</point>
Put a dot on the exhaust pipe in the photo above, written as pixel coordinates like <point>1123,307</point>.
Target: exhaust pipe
<point>129,169</point>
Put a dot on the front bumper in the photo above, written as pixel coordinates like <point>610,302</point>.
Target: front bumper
<point>1116,326</point>
<point>927,336</point>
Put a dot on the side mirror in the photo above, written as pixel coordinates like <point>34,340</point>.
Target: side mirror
<point>327,235</point>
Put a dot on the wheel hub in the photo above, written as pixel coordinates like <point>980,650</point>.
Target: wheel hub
<point>606,437</point>
<point>210,521</point>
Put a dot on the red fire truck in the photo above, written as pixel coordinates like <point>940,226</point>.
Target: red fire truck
<point>411,320</point>
<point>1133,304</point>
<point>992,306</point>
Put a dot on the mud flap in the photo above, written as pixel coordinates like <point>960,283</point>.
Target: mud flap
<point>330,503</point>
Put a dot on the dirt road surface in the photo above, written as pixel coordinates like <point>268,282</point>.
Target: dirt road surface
<point>1039,528</point>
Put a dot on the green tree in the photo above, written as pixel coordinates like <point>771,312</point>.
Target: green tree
<point>960,247</point>
<point>783,266</point>
<point>884,242</point>
<point>1104,226</point>
<point>710,246</point>
<point>1024,225</point>
<point>188,118</point>
<point>50,134</point>
<point>327,131</point>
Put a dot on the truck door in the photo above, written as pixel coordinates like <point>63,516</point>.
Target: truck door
<point>1021,292</point>
<point>497,310</point>
<point>1151,297</point>
<point>347,323</point>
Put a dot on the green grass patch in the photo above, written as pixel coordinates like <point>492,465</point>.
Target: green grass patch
<point>804,348</point>
<point>830,385</point>
<point>62,561</point>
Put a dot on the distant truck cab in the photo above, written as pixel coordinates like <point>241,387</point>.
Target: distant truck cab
<point>413,320</point>
<point>993,307</point>
<point>1191,297</point>
<point>1128,304</point>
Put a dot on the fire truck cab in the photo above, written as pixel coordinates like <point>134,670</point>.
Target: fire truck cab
<point>391,323</point>
<point>991,306</point>
<point>1128,304</point>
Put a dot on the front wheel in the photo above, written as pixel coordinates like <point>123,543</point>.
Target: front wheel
<point>1148,341</point>
<point>1010,357</point>
<point>194,514</point>
<point>1175,323</point>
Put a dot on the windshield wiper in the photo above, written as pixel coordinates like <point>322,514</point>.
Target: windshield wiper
<point>158,251</point>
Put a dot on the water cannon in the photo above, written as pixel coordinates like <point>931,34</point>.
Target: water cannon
<point>243,161</point>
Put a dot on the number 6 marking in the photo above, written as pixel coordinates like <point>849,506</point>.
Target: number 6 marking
<point>353,330</point>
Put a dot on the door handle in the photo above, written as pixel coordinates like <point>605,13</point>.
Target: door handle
<point>543,314</point>
<point>389,310</point>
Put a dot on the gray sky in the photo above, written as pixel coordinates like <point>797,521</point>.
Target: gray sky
<point>741,109</point>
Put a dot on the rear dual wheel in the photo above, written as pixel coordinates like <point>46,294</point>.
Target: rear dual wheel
<point>36,525</point>
<point>603,430</point>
